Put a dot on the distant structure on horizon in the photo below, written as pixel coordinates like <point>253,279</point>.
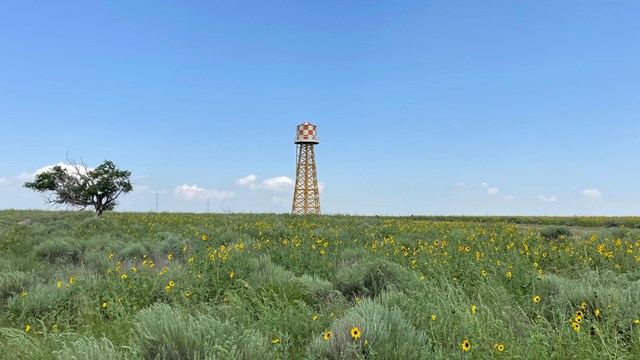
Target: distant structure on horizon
<point>306,196</point>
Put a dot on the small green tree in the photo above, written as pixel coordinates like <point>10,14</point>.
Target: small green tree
<point>81,187</point>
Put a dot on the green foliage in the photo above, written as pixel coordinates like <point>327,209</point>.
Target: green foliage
<point>79,186</point>
<point>58,250</point>
<point>383,331</point>
<point>555,232</point>
<point>17,345</point>
<point>163,332</point>
<point>89,348</point>
<point>373,277</point>
<point>87,290</point>
<point>14,282</point>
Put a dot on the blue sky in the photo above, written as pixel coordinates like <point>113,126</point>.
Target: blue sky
<point>422,107</point>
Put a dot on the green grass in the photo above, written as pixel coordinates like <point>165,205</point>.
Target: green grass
<point>246,286</point>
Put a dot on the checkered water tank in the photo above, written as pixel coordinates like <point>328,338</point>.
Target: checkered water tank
<point>307,133</point>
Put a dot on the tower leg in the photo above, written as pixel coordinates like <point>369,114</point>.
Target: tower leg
<point>306,196</point>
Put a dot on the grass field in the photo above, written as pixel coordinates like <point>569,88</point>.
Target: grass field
<point>242,286</point>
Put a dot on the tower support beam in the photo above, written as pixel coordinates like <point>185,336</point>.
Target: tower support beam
<point>306,195</point>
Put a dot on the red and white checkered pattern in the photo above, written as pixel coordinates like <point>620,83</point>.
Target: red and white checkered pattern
<point>307,131</point>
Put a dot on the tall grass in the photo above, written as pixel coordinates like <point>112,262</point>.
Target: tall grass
<point>247,286</point>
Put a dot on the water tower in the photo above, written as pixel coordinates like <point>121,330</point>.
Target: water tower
<point>306,197</point>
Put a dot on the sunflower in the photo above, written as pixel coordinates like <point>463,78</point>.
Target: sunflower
<point>597,312</point>
<point>509,275</point>
<point>536,299</point>
<point>123,276</point>
<point>433,317</point>
<point>583,306</point>
<point>474,309</point>
<point>578,319</point>
<point>484,273</point>
<point>466,346</point>
<point>355,333</point>
<point>500,347</point>
<point>327,335</point>
<point>575,326</point>
<point>204,237</point>
<point>27,328</point>
<point>171,283</point>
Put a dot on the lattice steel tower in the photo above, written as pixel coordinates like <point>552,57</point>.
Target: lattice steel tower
<point>306,196</point>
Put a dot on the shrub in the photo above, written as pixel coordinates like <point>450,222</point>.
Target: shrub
<point>58,250</point>
<point>89,348</point>
<point>384,334</point>
<point>134,250</point>
<point>553,232</point>
<point>162,332</point>
<point>16,344</point>
<point>373,277</point>
<point>14,282</point>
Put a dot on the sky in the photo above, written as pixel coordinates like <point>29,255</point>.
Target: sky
<point>422,107</point>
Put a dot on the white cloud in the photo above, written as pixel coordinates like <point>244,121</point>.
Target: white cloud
<point>493,191</point>
<point>592,193</point>
<point>191,192</point>
<point>461,185</point>
<point>277,184</point>
<point>280,184</point>
<point>509,198</point>
<point>25,176</point>
<point>321,186</point>
<point>549,199</point>
<point>484,184</point>
<point>248,181</point>
<point>4,181</point>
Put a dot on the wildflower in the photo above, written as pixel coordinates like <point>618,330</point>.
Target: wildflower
<point>536,299</point>
<point>509,274</point>
<point>23,294</point>
<point>575,326</point>
<point>232,274</point>
<point>579,313</point>
<point>27,328</point>
<point>275,341</point>
<point>187,294</point>
<point>474,309</point>
<point>110,256</point>
<point>358,299</point>
<point>314,318</point>
<point>184,249</point>
<point>484,273</point>
<point>59,284</point>
<point>535,264</point>
<point>104,305</point>
<point>167,288</point>
<point>327,335</point>
<point>170,256</point>
<point>597,312</point>
<point>204,237</point>
<point>583,306</point>
<point>466,346</point>
<point>190,260</point>
<point>71,280</point>
<point>171,283</point>
<point>54,327</point>
<point>321,252</point>
<point>636,321</point>
<point>123,276</point>
<point>355,333</point>
<point>134,269</point>
<point>500,347</point>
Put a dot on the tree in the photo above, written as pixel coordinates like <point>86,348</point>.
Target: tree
<point>79,186</point>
